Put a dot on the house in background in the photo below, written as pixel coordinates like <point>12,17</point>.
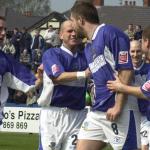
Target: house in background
<point>55,19</point>
<point>15,19</point>
<point>121,2</point>
<point>121,16</point>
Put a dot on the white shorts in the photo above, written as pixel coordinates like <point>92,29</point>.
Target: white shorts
<point>145,127</point>
<point>59,128</point>
<point>123,134</point>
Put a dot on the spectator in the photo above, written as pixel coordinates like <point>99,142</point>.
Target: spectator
<point>16,42</point>
<point>25,58</point>
<point>31,98</point>
<point>20,97</point>
<point>11,95</point>
<point>9,47</point>
<point>37,59</point>
<point>48,37</point>
<point>138,32</point>
<point>25,41</point>
<point>56,42</point>
<point>37,43</point>
<point>130,32</point>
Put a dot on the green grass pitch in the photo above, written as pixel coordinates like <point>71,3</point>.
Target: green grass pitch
<point>21,141</point>
<point>18,141</point>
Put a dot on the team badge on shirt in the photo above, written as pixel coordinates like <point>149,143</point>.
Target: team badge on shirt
<point>85,125</point>
<point>52,145</point>
<point>123,57</point>
<point>55,69</point>
<point>116,140</point>
<point>146,86</point>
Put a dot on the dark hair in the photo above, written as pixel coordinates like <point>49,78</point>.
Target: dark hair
<point>85,10</point>
<point>16,29</point>
<point>51,26</point>
<point>24,28</point>
<point>130,24</point>
<point>2,18</point>
<point>146,33</point>
<point>139,26</point>
<point>38,29</point>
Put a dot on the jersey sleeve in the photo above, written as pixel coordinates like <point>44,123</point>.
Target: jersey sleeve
<point>17,76</point>
<point>119,45</point>
<point>52,63</point>
<point>145,88</point>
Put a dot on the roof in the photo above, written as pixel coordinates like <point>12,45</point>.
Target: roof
<point>121,16</point>
<point>15,19</point>
<point>58,16</point>
<point>2,11</point>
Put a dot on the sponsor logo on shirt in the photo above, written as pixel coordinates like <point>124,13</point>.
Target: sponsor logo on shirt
<point>146,86</point>
<point>55,69</point>
<point>97,63</point>
<point>123,57</point>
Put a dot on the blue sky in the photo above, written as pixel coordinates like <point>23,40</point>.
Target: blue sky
<point>63,5</point>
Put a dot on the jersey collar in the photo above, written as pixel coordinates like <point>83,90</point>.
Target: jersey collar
<point>96,31</point>
<point>68,51</point>
<point>138,68</point>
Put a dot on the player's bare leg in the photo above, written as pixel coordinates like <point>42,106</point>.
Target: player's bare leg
<point>90,145</point>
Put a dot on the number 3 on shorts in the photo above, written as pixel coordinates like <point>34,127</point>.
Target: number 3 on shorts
<point>114,127</point>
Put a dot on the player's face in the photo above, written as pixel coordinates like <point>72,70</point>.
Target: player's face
<point>77,24</point>
<point>2,31</point>
<point>136,54</point>
<point>145,45</point>
<point>68,35</point>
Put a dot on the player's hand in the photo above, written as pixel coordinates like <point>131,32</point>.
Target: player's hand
<point>115,85</point>
<point>39,76</point>
<point>113,113</point>
<point>38,83</point>
<point>39,73</point>
<point>87,73</point>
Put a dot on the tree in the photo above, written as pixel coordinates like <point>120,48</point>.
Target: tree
<point>37,7</point>
<point>6,3</point>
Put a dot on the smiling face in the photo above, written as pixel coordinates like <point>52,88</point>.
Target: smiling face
<point>68,35</point>
<point>136,53</point>
<point>2,30</point>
